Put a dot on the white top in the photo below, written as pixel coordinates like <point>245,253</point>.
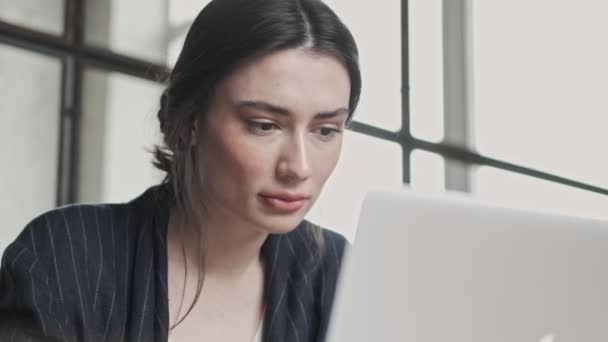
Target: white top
<point>258,334</point>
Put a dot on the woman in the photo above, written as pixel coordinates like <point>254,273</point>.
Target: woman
<point>252,118</point>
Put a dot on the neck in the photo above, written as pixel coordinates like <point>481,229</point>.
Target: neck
<point>232,250</point>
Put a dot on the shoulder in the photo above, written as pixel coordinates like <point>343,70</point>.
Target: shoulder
<point>85,227</point>
<point>304,266</point>
<point>313,244</point>
<point>309,252</point>
<point>81,237</point>
<point>45,271</point>
<point>77,260</point>
<point>73,225</point>
<point>335,243</point>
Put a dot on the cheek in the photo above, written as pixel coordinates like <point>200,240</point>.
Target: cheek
<point>326,161</point>
<point>247,165</point>
<point>241,165</point>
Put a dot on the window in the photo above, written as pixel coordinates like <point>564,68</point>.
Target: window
<point>29,137</point>
<point>119,127</point>
<point>42,15</point>
<point>426,69</point>
<point>539,86</point>
<point>380,53</point>
<point>512,99</point>
<point>455,97</point>
<point>428,171</point>
<point>525,192</point>
<point>110,25</point>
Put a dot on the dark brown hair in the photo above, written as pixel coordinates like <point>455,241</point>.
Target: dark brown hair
<point>225,34</point>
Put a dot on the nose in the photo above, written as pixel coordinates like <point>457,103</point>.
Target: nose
<point>294,164</point>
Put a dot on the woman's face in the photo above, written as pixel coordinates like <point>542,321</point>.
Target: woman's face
<point>271,138</point>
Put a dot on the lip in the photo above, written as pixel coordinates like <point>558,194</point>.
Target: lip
<point>285,196</point>
<point>286,203</point>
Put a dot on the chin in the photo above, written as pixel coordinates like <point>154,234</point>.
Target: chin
<point>280,224</point>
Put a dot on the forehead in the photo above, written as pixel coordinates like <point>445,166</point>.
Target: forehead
<point>297,79</point>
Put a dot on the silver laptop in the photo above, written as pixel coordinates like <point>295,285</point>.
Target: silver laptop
<point>450,269</point>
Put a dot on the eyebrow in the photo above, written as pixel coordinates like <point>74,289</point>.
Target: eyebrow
<point>268,107</point>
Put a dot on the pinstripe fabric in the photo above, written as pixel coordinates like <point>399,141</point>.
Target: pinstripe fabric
<point>99,273</point>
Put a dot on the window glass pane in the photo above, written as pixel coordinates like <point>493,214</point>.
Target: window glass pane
<point>428,171</point>
<point>184,11</point>
<point>42,15</point>
<point>366,163</point>
<point>110,24</point>
<point>540,85</point>
<point>29,137</point>
<point>181,15</point>
<point>377,30</point>
<point>515,190</point>
<point>119,127</point>
<point>426,69</point>
<point>175,47</point>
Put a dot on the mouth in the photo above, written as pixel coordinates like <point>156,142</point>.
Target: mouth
<point>284,203</point>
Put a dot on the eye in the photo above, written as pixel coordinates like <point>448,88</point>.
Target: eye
<point>327,133</point>
<point>261,127</point>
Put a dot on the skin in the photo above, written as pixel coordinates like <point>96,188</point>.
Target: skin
<point>274,125</point>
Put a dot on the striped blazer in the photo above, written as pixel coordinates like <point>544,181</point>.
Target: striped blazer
<point>99,273</point>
